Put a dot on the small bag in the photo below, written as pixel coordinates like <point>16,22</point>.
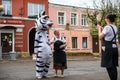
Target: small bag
<point>103,48</point>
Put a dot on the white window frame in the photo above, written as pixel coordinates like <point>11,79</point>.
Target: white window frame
<point>63,17</point>
<point>33,8</point>
<point>84,22</point>
<point>76,43</point>
<point>86,43</point>
<point>74,18</point>
<point>5,11</point>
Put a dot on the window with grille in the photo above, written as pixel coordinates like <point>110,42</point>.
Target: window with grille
<point>34,9</point>
<point>61,18</point>
<point>73,19</point>
<point>84,20</point>
<point>7,7</point>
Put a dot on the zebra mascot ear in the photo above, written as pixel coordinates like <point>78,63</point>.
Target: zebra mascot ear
<point>42,13</point>
<point>43,22</point>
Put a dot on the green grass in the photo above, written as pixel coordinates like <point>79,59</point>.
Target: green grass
<point>23,55</point>
<point>79,54</point>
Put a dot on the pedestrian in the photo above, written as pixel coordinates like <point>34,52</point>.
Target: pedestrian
<point>41,45</point>
<point>59,55</point>
<point>109,58</point>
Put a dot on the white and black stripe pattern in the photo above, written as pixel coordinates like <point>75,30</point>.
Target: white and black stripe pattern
<point>41,47</point>
<point>41,22</point>
<point>42,66</point>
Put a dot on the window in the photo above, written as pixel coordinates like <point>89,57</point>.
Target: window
<point>84,42</point>
<point>61,18</point>
<point>7,7</point>
<point>73,19</point>
<point>34,9</point>
<point>74,42</point>
<point>84,20</point>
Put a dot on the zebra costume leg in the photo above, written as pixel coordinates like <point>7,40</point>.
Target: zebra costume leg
<point>42,65</point>
<point>46,67</point>
<point>39,66</point>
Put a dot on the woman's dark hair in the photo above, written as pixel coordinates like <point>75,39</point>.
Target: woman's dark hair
<point>111,17</point>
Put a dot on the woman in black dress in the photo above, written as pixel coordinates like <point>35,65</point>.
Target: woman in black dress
<point>59,55</point>
<point>109,58</point>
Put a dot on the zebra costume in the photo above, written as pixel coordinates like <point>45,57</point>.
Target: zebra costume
<point>41,46</point>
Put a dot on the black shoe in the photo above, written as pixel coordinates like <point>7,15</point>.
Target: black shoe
<point>45,77</point>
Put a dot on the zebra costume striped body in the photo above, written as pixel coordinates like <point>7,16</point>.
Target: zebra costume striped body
<point>41,46</point>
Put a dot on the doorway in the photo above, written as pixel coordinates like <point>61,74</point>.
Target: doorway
<point>31,41</point>
<point>95,45</point>
<point>6,42</point>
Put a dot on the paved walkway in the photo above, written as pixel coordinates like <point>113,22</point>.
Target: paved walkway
<point>80,68</point>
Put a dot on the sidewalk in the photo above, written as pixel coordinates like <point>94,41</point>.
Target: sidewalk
<point>79,68</point>
<point>69,58</point>
<point>83,58</point>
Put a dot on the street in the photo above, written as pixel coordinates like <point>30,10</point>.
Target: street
<point>77,70</point>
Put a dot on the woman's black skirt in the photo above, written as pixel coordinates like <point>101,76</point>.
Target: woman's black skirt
<point>59,60</point>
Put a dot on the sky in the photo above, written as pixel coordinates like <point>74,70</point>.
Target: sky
<point>78,3</point>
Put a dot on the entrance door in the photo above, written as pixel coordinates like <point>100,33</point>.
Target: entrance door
<point>6,42</point>
<point>95,45</point>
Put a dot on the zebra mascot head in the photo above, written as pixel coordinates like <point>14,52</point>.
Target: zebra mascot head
<point>43,22</point>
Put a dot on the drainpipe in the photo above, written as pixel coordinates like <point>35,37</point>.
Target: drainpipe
<point>1,9</point>
<point>0,52</point>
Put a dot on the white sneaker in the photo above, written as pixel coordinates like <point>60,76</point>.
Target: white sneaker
<point>55,75</point>
<point>62,76</point>
<point>39,77</point>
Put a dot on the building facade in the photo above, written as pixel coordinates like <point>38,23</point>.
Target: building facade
<point>72,23</point>
<point>17,30</point>
<point>17,24</point>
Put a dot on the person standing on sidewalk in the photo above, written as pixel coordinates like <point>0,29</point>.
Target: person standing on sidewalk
<point>59,55</point>
<point>41,45</point>
<point>109,58</point>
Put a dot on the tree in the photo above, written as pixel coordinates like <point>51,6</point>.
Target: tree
<point>99,12</point>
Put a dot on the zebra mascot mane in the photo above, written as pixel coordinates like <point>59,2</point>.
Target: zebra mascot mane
<point>43,22</point>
